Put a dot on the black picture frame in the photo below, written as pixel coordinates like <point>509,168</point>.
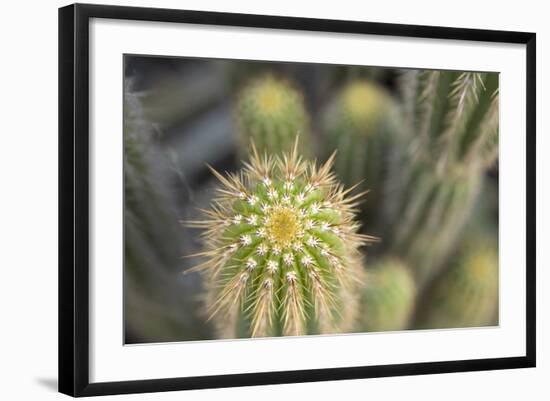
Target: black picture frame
<point>74,194</point>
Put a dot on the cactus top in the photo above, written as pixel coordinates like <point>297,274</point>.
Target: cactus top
<point>271,111</point>
<point>280,241</point>
<point>268,97</point>
<point>283,225</point>
<point>364,105</point>
<point>481,265</point>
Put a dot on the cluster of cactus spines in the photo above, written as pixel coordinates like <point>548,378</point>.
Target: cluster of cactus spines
<point>452,137</point>
<point>271,112</point>
<point>282,249</point>
<point>454,115</point>
<point>360,123</point>
<point>389,296</point>
<point>465,295</point>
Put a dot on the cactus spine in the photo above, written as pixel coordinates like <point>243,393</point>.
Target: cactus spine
<point>272,113</point>
<point>282,249</point>
<point>360,123</point>
<point>388,299</point>
<point>467,294</point>
<point>452,137</point>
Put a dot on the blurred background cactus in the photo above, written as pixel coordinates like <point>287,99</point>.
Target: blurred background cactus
<point>466,295</point>
<point>424,143</point>
<point>152,242</point>
<point>361,123</point>
<point>389,296</point>
<point>271,112</point>
<point>450,141</point>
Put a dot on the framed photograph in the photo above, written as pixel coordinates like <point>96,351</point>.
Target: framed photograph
<point>251,199</point>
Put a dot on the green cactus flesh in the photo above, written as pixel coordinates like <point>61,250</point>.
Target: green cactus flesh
<point>388,298</point>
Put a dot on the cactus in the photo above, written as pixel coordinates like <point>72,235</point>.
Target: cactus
<point>388,298</point>
<point>467,294</point>
<point>281,251</point>
<point>360,123</point>
<point>152,246</point>
<point>451,140</point>
<point>272,113</point>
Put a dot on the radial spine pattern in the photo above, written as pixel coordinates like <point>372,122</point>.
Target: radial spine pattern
<point>282,249</point>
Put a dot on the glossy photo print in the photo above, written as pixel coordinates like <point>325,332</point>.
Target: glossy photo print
<point>268,199</point>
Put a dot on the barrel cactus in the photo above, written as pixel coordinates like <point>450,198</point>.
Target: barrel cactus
<point>360,123</point>
<point>272,113</point>
<point>452,137</point>
<point>388,298</point>
<point>282,249</point>
<point>467,294</point>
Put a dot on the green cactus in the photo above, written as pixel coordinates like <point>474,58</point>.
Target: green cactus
<point>282,250</point>
<point>388,297</point>
<point>360,123</point>
<point>271,113</point>
<point>452,137</point>
<point>466,295</point>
